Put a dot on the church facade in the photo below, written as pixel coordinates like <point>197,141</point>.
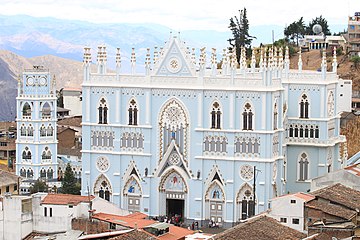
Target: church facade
<point>194,138</point>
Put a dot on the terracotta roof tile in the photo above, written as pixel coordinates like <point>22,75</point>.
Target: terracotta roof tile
<point>332,209</point>
<point>260,227</point>
<point>71,121</point>
<point>354,169</point>
<point>137,215</point>
<point>8,178</point>
<point>340,194</point>
<point>131,222</point>
<point>65,199</point>
<point>133,235</point>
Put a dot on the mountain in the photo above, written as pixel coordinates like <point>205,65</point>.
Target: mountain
<point>68,74</point>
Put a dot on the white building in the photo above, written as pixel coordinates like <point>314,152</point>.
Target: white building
<point>289,209</point>
<point>72,100</point>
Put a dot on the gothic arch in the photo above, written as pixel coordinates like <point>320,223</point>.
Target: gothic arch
<point>26,109</point>
<point>133,111</point>
<point>245,202</point>
<point>212,191</point>
<point>171,184</point>
<point>216,115</point>
<point>103,110</point>
<point>174,124</point>
<point>132,186</point>
<point>215,201</point>
<point>46,109</point>
<point>102,187</point>
<point>303,167</point>
<point>248,116</point>
<point>304,105</point>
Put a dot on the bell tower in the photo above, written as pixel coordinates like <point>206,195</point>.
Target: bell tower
<point>36,144</point>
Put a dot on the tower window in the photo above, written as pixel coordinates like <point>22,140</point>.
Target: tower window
<point>216,116</point>
<point>248,117</point>
<point>304,107</point>
<point>103,111</point>
<point>133,113</point>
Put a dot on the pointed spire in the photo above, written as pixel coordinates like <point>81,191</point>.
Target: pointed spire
<point>253,60</point>
<point>133,61</point>
<point>53,90</point>
<point>265,60</point>
<point>147,62</point>
<point>261,62</point>
<point>276,58</point>
<point>87,56</point>
<point>323,65</point>
<point>213,62</point>
<point>156,55</point>
<point>202,61</point>
<point>233,59</point>
<point>228,62</point>
<point>300,63</point>
<point>287,62</point>
<point>101,59</point>
<point>224,62</point>
<point>118,58</point>
<point>193,59</point>
<point>334,64</point>
<point>271,58</point>
<point>281,60</point>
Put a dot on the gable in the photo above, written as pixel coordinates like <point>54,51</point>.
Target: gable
<point>175,61</point>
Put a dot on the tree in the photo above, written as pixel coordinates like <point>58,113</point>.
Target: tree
<point>38,186</point>
<point>356,61</point>
<point>69,183</point>
<point>240,31</point>
<point>322,22</point>
<point>295,31</point>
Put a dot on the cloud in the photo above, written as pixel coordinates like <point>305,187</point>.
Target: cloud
<point>185,14</point>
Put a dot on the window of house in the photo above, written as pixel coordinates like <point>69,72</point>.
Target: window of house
<point>50,212</point>
<point>15,187</point>
<point>295,221</point>
<point>45,211</point>
<point>7,188</point>
<point>112,226</point>
<point>293,201</point>
<point>283,220</point>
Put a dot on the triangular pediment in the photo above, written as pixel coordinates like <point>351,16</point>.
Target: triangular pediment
<point>175,61</point>
<point>215,175</point>
<point>172,157</point>
<point>131,170</point>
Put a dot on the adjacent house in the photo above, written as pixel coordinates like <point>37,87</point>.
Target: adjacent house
<point>289,209</point>
<point>9,183</point>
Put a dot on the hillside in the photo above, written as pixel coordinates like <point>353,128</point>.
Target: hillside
<point>312,61</point>
<point>68,74</point>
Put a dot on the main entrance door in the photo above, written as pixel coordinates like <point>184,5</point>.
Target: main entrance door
<point>174,207</point>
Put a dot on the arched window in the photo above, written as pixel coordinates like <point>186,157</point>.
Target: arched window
<point>50,130</point>
<point>133,112</point>
<point>245,202</point>
<point>248,117</point>
<point>22,130</point>
<point>103,111</point>
<point>46,111</point>
<point>30,173</point>
<point>43,173</point>
<point>30,130</point>
<point>102,188</point>
<point>303,165</point>
<point>50,173</point>
<point>26,154</point>
<point>26,111</point>
<point>42,131</point>
<point>46,154</point>
<point>216,116</point>
<point>23,172</point>
<point>304,106</point>
<point>275,117</point>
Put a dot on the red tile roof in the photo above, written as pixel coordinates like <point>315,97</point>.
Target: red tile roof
<point>65,199</point>
<point>332,209</point>
<point>137,215</point>
<point>354,169</point>
<point>306,197</point>
<point>137,221</point>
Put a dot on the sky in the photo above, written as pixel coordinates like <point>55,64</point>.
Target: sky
<point>185,14</point>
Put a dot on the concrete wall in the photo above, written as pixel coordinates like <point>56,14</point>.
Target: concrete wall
<point>282,207</point>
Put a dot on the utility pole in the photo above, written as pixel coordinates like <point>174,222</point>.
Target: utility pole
<point>254,195</point>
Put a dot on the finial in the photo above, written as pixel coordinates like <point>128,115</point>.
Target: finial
<point>233,59</point>
<point>133,61</point>
<point>118,58</point>
<point>224,63</point>
<point>287,60</point>
<point>213,62</point>
<point>155,55</point>
<point>261,61</point>
<point>87,56</point>
<point>323,65</point>
<point>281,60</point>
<point>300,61</point>
<point>253,60</point>
<point>334,64</point>
<point>147,61</point>
<point>275,62</point>
<point>271,58</point>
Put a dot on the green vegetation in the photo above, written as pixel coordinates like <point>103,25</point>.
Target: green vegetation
<point>356,61</point>
<point>240,31</point>
<point>69,183</point>
<point>39,186</point>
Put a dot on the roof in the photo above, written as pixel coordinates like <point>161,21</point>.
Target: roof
<point>65,199</point>
<point>306,197</point>
<point>340,194</point>
<point>137,215</point>
<point>319,236</point>
<point>354,169</point>
<point>133,235</point>
<point>71,121</point>
<point>128,221</point>
<point>332,209</point>
<point>61,129</point>
<point>69,151</point>
<point>260,227</point>
<point>8,178</point>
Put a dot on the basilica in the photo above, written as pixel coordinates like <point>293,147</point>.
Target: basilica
<point>200,137</point>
